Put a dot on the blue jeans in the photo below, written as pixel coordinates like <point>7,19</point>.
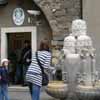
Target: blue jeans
<point>4,92</point>
<point>35,92</point>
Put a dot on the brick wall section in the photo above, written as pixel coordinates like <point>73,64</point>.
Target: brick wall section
<point>60,14</point>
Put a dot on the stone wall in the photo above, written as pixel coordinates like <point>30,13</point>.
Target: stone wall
<point>92,17</point>
<point>60,14</point>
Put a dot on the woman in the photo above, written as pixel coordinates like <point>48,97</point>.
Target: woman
<point>34,75</point>
<point>4,79</point>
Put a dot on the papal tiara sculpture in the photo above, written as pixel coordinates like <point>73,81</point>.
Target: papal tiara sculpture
<point>80,78</point>
<point>80,57</point>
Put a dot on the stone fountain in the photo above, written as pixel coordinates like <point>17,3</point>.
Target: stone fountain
<point>80,78</point>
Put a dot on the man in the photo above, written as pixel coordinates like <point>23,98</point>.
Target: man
<point>25,59</point>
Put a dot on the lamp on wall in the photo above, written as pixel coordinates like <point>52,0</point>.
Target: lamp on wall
<point>33,14</point>
<point>3,2</point>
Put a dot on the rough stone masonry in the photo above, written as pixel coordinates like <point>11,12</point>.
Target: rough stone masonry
<point>60,14</point>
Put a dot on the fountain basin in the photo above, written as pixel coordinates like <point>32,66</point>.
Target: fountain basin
<point>57,89</point>
<point>88,92</point>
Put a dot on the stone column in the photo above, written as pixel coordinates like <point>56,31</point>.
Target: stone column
<point>4,46</point>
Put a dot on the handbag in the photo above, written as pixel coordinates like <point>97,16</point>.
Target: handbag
<point>45,79</point>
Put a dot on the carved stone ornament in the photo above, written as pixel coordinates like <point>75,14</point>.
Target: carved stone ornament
<point>18,16</point>
<point>69,44</point>
<point>79,27</point>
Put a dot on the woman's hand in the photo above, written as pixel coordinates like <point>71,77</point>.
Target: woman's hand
<point>52,70</point>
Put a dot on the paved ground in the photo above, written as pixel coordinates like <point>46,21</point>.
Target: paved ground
<point>21,93</point>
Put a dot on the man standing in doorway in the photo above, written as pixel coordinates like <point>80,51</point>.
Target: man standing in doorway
<point>25,60</point>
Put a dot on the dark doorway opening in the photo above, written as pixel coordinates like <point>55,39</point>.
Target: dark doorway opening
<point>15,45</point>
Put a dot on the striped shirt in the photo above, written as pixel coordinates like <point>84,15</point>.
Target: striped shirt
<point>33,74</point>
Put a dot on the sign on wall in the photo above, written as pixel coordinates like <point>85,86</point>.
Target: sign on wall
<point>18,16</point>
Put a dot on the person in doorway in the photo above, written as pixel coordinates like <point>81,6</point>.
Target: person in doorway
<point>4,80</point>
<point>25,60</point>
<point>33,74</point>
<point>12,56</point>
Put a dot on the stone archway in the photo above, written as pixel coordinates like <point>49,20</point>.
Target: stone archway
<point>60,14</point>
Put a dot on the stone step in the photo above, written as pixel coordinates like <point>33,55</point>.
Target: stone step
<point>22,93</point>
<point>18,88</point>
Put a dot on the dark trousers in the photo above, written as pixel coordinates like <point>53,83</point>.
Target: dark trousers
<point>30,88</point>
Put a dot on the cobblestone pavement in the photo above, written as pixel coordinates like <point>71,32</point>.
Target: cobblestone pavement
<point>21,93</point>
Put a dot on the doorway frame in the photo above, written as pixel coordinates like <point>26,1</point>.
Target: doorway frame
<point>7,30</point>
